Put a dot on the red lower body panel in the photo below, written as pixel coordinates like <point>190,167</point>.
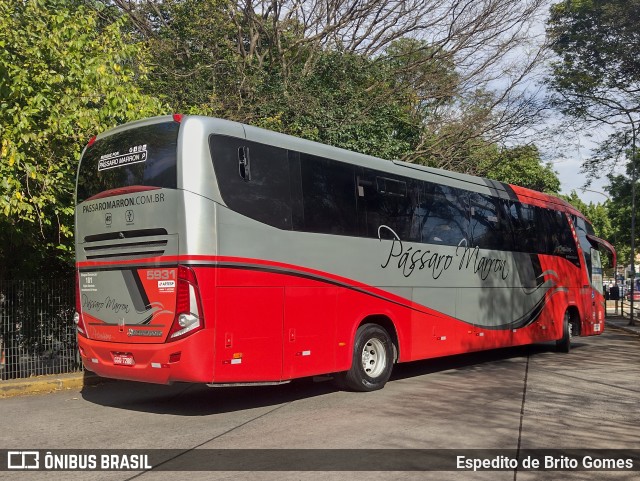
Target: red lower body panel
<point>267,322</point>
<point>192,359</point>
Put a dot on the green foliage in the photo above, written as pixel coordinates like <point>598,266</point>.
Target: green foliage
<point>216,57</point>
<point>595,41</point>
<point>345,100</point>
<point>598,214</point>
<point>209,59</point>
<point>522,166</point>
<point>597,74</point>
<point>63,77</point>
<point>620,211</point>
<point>415,64</point>
<point>212,58</point>
<point>193,62</point>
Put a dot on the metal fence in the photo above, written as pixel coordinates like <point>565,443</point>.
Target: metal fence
<point>37,334</point>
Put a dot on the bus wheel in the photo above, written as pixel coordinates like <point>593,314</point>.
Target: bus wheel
<point>564,343</point>
<point>372,360</point>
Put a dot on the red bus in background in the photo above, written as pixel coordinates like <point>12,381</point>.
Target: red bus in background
<point>214,252</point>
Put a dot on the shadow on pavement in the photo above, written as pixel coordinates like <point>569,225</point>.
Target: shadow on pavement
<point>183,399</point>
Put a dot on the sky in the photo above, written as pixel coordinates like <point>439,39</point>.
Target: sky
<point>568,169</point>
<point>567,157</point>
<point>571,179</point>
<point>568,150</point>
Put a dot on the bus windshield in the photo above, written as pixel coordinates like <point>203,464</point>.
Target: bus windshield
<point>144,156</point>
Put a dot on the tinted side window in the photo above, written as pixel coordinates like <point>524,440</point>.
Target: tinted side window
<point>442,215</point>
<point>553,226</point>
<point>489,224</point>
<point>386,200</point>
<point>583,228</point>
<point>523,222</point>
<point>329,196</point>
<point>253,179</point>
<point>562,242</point>
<point>542,231</point>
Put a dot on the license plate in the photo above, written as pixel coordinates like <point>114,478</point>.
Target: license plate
<point>123,360</point>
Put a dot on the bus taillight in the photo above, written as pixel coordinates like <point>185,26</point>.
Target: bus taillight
<point>77,316</point>
<point>188,306</point>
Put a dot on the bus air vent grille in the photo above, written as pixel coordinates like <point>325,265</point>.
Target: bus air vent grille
<point>126,244</point>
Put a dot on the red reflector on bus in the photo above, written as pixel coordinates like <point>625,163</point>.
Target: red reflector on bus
<point>92,141</point>
<point>177,118</point>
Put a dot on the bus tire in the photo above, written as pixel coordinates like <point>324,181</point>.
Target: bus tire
<point>564,343</point>
<point>372,360</point>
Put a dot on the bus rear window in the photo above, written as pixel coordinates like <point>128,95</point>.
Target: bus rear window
<point>144,156</point>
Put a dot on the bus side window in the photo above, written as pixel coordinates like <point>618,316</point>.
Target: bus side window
<point>253,179</point>
<point>383,200</point>
<point>443,218</point>
<point>523,223</point>
<point>490,229</point>
<point>329,196</point>
<point>582,230</point>
<point>545,230</point>
<point>561,240</point>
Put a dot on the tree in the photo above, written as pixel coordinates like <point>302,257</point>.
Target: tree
<point>522,166</point>
<point>597,75</point>
<point>195,66</point>
<point>247,59</point>
<point>348,101</point>
<point>64,76</point>
<point>600,215</point>
<point>619,210</point>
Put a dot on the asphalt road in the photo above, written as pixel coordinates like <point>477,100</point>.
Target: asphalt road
<point>518,398</point>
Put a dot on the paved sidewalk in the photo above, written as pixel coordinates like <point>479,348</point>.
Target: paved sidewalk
<point>620,319</point>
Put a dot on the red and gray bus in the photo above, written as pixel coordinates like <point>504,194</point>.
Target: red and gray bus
<point>214,252</point>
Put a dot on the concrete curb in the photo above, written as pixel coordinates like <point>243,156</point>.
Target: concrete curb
<point>630,330</point>
<point>46,384</point>
<point>620,322</point>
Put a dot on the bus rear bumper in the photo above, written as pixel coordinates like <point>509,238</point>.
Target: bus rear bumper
<point>186,360</point>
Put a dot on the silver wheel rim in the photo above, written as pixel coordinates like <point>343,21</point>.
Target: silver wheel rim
<point>374,358</point>
<point>570,330</point>
<point>569,325</point>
